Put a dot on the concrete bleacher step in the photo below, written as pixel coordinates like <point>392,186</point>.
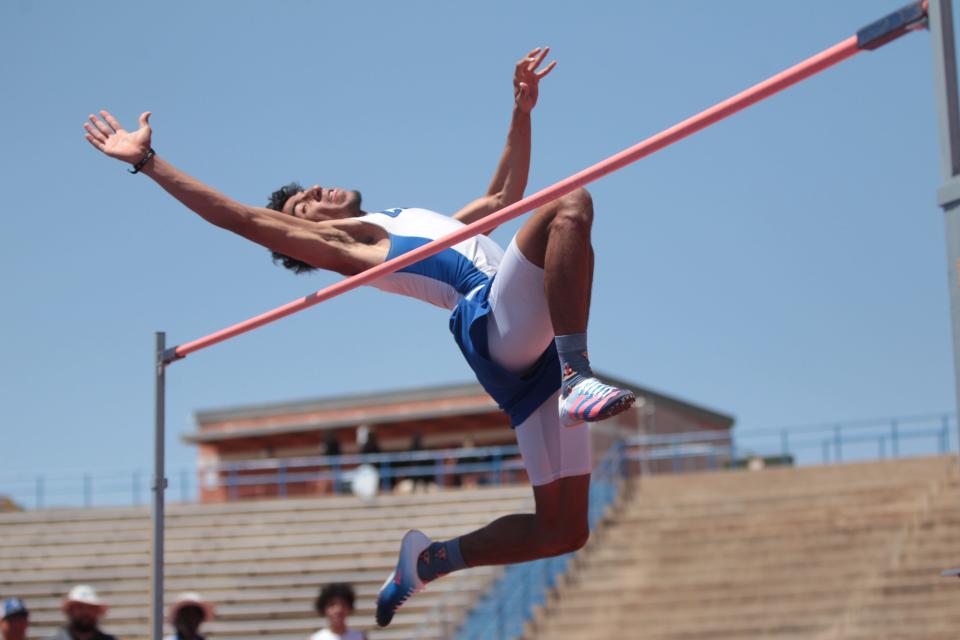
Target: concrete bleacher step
<point>230,590</point>
<point>401,521</point>
<point>253,508</point>
<point>740,622</point>
<point>667,547</point>
<point>770,498</point>
<point>443,527</point>
<point>795,601</point>
<point>757,605</point>
<point>340,520</point>
<point>385,544</point>
<point>810,509</point>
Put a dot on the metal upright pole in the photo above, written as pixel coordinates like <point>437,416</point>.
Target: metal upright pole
<point>158,487</point>
<point>940,15</point>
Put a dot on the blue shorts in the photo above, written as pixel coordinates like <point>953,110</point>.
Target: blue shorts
<point>518,395</point>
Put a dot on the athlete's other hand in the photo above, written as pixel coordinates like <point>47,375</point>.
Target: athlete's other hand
<point>526,78</point>
<point>107,135</point>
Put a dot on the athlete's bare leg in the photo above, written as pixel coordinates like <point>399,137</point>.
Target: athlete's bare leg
<point>558,526</point>
<point>557,238</point>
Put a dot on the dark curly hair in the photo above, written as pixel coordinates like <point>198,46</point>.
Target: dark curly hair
<point>334,590</point>
<point>277,199</point>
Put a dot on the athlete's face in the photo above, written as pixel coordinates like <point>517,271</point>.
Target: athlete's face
<point>317,204</point>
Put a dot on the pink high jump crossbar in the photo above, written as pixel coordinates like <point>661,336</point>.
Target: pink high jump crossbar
<point>875,35</point>
<point>892,26</point>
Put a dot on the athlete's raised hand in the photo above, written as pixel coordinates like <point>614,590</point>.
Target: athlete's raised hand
<point>107,135</point>
<point>526,78</point>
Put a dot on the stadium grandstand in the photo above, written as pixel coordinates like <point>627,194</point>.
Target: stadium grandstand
<point>691,536</point>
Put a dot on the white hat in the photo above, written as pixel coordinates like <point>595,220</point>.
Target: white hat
<point>191,599</point>
<point>85,594</point>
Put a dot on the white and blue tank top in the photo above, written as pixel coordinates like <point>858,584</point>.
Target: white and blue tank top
<point>443,278</point>
<point>459,279</point>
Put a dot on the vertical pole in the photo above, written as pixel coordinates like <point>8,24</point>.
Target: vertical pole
<point>385,476</point>
<point>945,86</point>
<point>945,428</point>
<point>158,486</point>
<point>337,479</point>
<point>895,437</point>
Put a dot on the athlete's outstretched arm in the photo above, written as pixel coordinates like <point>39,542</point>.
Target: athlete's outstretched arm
<point>510,179</point>
<point>319,244</point>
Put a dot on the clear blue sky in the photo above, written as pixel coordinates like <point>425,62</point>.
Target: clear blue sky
<point>786,266</point>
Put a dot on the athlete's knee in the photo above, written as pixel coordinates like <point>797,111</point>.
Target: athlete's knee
<point>575,539</point>
<point>565,539</point>
<point>574,212</point>
<point>579,201</point>
<point>576,207</point>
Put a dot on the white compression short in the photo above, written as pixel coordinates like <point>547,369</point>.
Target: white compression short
<point>518,331</point>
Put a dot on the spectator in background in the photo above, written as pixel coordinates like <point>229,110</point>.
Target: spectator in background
<point>469,479</point>
<point>331,446</point>
<point>187,614</point>
<point>410,483</point>
<point>15,620</point>
<point>371,445</point>
<point>335,603</point>
<point>83,609</point>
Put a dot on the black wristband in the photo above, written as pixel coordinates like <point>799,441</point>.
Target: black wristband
<point>140,165</point>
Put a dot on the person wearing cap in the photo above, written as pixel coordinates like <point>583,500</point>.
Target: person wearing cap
<point>15,620</point>
<point>335,603</point>
<point>83,609</point>
<point>187,614</point>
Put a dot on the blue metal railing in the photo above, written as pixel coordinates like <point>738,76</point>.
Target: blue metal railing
<point>810,444</point>
<point>91,489</point>
<point>870,439</point>
<point>492,466</point>
<point>485,465</point>
<point>510,603</point>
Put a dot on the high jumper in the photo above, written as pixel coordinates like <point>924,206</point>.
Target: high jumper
<point>518,315</point>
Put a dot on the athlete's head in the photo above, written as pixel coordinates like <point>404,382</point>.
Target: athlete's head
<point>315,204</point>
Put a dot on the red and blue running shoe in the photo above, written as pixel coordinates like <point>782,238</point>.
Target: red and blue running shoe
<point>404,582</point>
<point>589,400</point>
